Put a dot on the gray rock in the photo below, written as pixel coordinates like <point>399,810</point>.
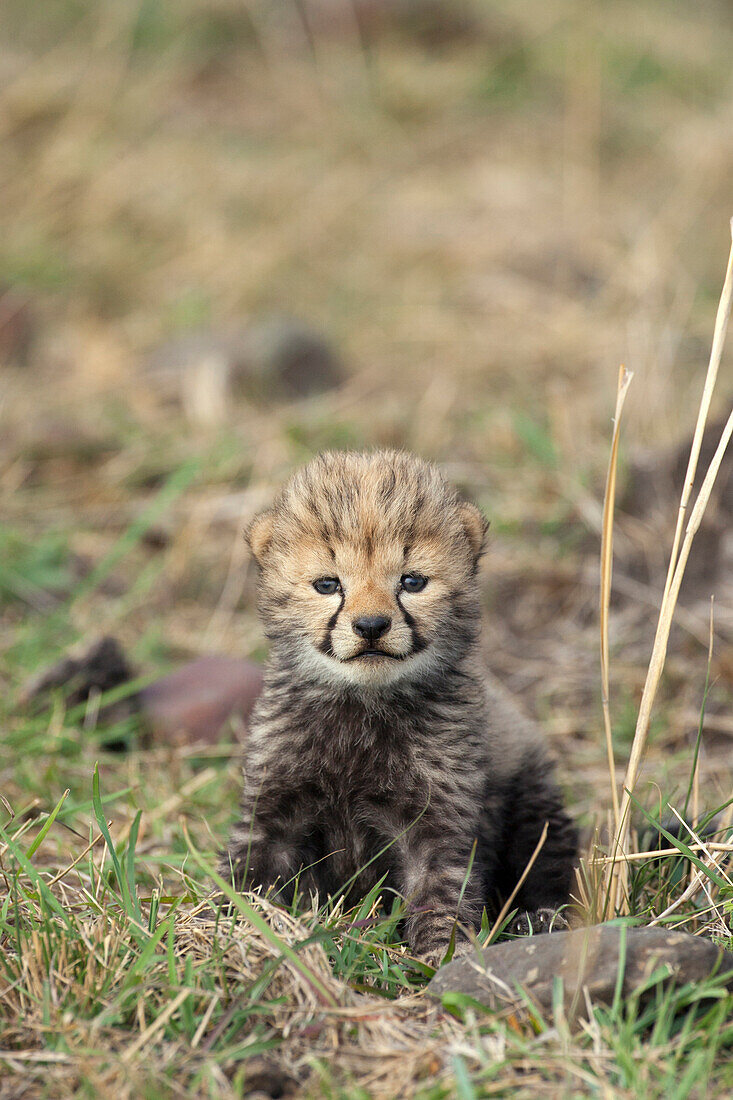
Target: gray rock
<point>274,359</point>
<point>585,959</point>
<point>283,357</point>
<point>17,327</point>
<point>654,481</point>
<point>431,23</point>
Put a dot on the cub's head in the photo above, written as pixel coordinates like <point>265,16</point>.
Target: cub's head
<point>367,568</point>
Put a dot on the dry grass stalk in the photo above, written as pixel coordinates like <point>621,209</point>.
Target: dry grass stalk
<point>705,847</point>
<point>624,381</point>
<point>716,351</point>
<point>657,853</point>
<point>677,566</point>
<point>697,883</point>
<point>700,879</point>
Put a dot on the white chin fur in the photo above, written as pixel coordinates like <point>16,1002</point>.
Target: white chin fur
<point>369,673</point>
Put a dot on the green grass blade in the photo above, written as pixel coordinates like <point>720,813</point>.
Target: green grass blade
<point>464,1087</point>
<point>176,484</point>
<point>39,885</point>
<point>698,741</point>
<point>621,969</point>
<point>130,864</point>
<point>685,849</point>
<point>129,897</point>
<point>46,826</point>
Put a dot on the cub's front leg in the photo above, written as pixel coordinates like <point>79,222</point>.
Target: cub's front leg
<point>435,865</point>
<point>266,848</point>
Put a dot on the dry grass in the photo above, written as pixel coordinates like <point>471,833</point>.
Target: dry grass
<point>679,556</point>
<point>209,1006</point>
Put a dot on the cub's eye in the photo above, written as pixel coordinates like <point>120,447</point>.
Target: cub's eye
<point>327,585</point>
<point>413,582</point>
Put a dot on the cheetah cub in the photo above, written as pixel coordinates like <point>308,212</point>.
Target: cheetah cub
<point>379,746</point>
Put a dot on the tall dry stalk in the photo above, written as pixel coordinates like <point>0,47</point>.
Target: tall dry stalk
<point>716,351</point>
<point>624,381</point>
<point>678,561</point>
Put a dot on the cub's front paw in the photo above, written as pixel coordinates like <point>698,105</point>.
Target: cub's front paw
<point>536,921</point>
<point>435,957</point>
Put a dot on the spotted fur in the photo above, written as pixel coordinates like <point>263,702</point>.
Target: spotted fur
<point>388,757</point>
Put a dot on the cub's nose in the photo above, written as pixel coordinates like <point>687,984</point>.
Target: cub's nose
<point>371,627</point>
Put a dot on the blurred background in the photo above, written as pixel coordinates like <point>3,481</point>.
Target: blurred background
<point>236,232</point>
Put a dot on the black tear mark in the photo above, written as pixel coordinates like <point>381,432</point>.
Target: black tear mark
<point>418,644</point>
<point>325,644</point>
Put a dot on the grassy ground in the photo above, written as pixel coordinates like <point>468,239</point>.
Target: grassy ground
<point>485,222</point>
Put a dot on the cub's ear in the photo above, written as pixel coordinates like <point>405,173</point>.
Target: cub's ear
<point>475,527</point>
<point>259,534</point>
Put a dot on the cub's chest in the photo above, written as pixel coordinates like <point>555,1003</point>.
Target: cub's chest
<point>362,771</point>
<point>356,772</point>
<point>345,761</point>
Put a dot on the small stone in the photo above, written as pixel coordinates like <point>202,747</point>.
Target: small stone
<point>17,328</point>
<point>585,959</point>
<point>654,481</point>
<point>194,702</point>
<point>274,359</point>
<point>283,357</point>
